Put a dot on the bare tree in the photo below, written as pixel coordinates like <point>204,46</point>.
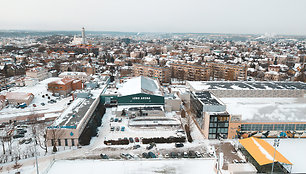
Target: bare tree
<point>39,132</point>
<point>54,134</point>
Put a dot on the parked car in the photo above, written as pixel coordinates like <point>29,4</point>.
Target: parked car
<point>111,119</point>
<point>177,145</point>
<point>116,119</point>
<point>122,155</point>
<point>152,155</point>
<point>151,146</point>
<point>179,155</point>
<point>112,128</point>
<point>18,136</point>
<point>167,155</point>
<point>136,146</point>
<point>28,141</point>
<point>198,154</point>
<point>191,154</point>
<point>128,156</point>
<point>185,155</point>
<point>118,128</point>
<point>122,128</point>
<point>103,156</point>
<point>136,139</point>
<point>43,104</point>
<point>145,155</point>
<point>173,155</point>
<point>120,120</point>
<point>22,141</point>
<point>21,131</point>
<point>131,140</point>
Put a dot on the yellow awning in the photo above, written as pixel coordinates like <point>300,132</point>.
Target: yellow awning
<point>262,151</point>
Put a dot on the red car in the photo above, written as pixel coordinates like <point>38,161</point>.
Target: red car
<point>136,139</point>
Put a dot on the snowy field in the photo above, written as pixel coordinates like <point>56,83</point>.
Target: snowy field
<point>267,109</point>
<point>294,151</point>
<point>134,167</point>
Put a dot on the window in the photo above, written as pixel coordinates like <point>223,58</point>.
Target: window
<point>300,127</point>
<point>59,142</point>
<point>246,127</point>
<point>66,142</point>
<point>212,130</point>
<point>72,142</point>
<point>257,127</point>
<point>290,127</point>
<point>267,127</point>
<point>212,136</point>
<point>52,142</point>
<point>279,127</point>
<point>212,124</point>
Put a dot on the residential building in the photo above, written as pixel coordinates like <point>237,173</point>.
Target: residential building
<point>75,75</point>
<point>190,72</point>
<point>39,73</point>
<point>163,74</point>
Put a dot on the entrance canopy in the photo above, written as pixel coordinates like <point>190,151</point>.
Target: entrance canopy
<point>262,151</point>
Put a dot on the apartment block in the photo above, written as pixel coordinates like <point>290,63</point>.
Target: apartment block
<point>162,73</point>
<point>190,72</point>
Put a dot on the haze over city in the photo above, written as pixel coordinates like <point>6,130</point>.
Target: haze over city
<point>221,16</point>
<point>151,87</point>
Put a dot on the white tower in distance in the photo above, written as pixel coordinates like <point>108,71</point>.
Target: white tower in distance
<point>83,36</point>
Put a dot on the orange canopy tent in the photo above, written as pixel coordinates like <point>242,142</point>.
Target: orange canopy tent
<point>262,151</point>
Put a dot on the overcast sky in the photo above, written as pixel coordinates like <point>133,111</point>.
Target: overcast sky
<point>202,16</point>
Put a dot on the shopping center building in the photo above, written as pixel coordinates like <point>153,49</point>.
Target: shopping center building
<point>242,109</point>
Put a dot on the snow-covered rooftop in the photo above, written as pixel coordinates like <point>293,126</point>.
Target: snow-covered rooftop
<point>139,84</point>
<point>236,85</point>
<point>268,109</point>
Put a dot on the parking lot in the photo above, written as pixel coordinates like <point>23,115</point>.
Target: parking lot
<point>111,129</point>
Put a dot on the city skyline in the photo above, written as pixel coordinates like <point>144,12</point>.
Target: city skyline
<point>234,17</point>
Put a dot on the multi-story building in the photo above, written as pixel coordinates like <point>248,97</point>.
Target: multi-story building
<point>39,73</point>
<point>162,73</point>
<point>64,86</point>
<point>215,121</point>
<point>190,72</point>
<point>75,75</point>
<point>227,71</point>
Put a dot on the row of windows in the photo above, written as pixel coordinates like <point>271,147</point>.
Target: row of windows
<point>56,87</point>
<point>218,130</point>
<point>219,119</point>
<point>271,127</point>
<point>59,142</point>
<point>218,124</point>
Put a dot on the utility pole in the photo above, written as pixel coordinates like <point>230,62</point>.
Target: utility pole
<point>37,171</point>
<point>276,144</point>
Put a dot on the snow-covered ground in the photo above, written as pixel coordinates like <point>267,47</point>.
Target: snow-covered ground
<point>267,109</point>
<point>38,91</point>
<point>182,166</point>
<point>294,151</point>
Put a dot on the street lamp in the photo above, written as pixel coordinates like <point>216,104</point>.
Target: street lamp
<point>276,144</point>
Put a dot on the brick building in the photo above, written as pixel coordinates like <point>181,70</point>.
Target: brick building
<point>190,72</point>
<point>212,70</point>
<point>227,71</point>
<point>162,73</point>
<point>65,86</point>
